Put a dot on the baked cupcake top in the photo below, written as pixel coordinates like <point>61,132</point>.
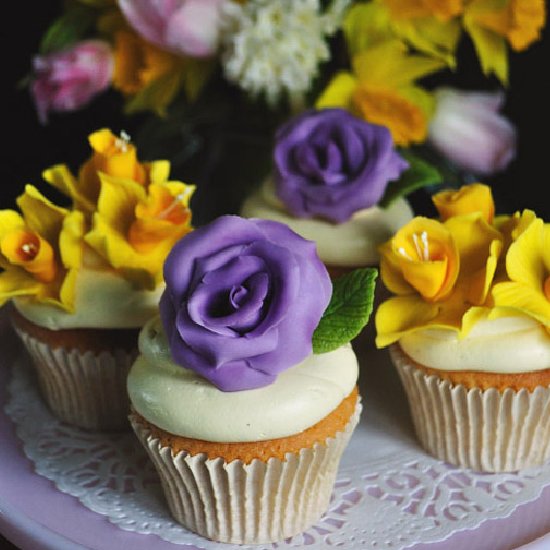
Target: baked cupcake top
<point>250,319</point>
<point>472,291</point>
<point>97,263</point>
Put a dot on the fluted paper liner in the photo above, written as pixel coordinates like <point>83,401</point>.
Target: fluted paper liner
<point>252,503</point>
<point>87,390</point>
<point>484,430</point>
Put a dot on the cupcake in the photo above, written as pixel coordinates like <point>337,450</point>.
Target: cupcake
<point>337,180</point>
<point>84,280</point>
<point>469,330</point>
<point>245,391</point>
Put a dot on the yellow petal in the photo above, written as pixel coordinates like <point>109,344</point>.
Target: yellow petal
<point>10,220</point>
<point>338,93</point>
<point>390,271</point>
<point>400,315</point>
<point>366,24</point>
<point>71,243</point>
<point>390,65</point>
<point>15,282</point>
<point>61,177</point>
<point>525,299</point>
<point>525,260</point>
<point>158,171</point>
<point>475,197</point>
<point>491,49</point>
<point>41,215</point>
<point>428,257</point>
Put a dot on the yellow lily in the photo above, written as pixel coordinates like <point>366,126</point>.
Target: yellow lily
<point>475,197</point>
<point>381,90</point>
<point>41,250</point>
<point>471,248</point>
<point>428,31</point>
<point>492,24</point>
<point>528,269</point>
<point>112,155</point>
<point>134,228</point>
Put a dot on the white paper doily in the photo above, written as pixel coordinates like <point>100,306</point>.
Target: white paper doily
<point>389,493</point>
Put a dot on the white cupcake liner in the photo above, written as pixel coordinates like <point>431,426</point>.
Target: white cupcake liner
<point>484,430</point>
<point>240,503</point>
<point>87,390</point>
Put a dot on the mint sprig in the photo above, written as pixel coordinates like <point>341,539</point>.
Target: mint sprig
<point>348,311</point>
<point>419,174</point>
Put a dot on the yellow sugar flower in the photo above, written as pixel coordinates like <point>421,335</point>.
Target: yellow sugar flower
<point>112,155</point>
<point>422,257</point>
<point>134,228</point>
<point>493,24</point>
<point>475,197</point>
<point>528,269</point>
<point>458,275</point>
<point>381,90</point>
<point>40,250</point>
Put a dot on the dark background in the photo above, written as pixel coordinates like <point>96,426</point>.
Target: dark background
<point>29,147</point>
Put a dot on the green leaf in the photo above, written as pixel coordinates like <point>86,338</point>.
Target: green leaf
<point>420,174</point>
<point>348,311</point>
<point>68,29</point>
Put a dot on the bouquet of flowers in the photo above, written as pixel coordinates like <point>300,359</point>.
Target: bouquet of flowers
<point>220,76</point>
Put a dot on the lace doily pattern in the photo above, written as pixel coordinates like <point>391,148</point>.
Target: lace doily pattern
<point>390,503</point>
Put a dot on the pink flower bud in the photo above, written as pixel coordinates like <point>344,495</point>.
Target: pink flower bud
<point>468,129</point>
<point>188,27</point>
<point>67,80</point>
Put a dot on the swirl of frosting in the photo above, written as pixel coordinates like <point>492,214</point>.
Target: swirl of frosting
<point>161,391</point>
<point>103,299</point>
<point>351,243</point>
<point>503,345</point>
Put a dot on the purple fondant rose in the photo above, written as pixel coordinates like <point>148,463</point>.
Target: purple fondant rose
<point>330,164</point>
<point>242,300</point>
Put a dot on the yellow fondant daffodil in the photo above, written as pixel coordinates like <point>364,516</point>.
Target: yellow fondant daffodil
<point>382,91</point>
<point>457,275</point>
<point>528,269</point>
<point>492,24</point>
<point>475,197</point>
<point>422,257</point>
<point>134,228</point>
<point>40,250</point>
<point>112,155</point>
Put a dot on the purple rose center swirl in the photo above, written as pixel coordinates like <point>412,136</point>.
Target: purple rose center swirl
<point>242,300</point>
<point>330,164</point>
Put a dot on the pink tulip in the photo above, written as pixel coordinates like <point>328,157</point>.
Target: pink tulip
<point>189,27</point>
<point>67,80</point>
<point>468,129</point>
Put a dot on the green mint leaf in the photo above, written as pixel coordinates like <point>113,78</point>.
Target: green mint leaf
<point>348,311</point>
<point>420,174</point>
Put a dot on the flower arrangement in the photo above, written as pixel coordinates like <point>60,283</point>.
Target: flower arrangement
<point>467,266</point>
<point>220,76</point>
<point>124,215</point>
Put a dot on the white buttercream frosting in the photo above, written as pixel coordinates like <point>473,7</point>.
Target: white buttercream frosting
<point>103,299</point>
<point>502,345</point>
<point>183,403</point>
<point>352,243</point>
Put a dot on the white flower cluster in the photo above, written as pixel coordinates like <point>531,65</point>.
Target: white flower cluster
<point>273,47</point>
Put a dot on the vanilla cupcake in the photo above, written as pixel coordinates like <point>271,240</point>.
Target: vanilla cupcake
<point>245,396</point>
<point>468,331</point>
<point>337,180</point>
<point>84,280</point>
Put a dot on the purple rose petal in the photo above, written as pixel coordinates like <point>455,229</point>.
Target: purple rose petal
<point>330,164</point>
